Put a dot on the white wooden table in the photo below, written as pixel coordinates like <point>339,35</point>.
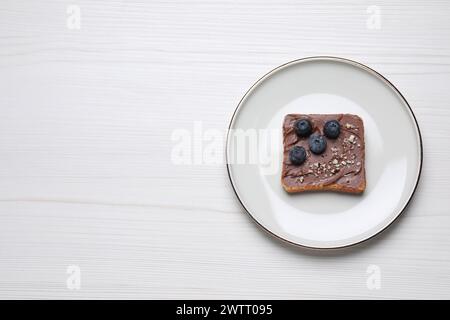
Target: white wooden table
<point>86,117</point>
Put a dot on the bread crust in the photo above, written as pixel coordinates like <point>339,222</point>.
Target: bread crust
<point>337,187</point>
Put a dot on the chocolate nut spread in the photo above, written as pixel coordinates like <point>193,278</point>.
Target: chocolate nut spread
<point>340,167</point>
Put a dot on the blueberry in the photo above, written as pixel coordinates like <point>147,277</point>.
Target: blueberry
<point>332,129</point>
<point>317,143</point>
<point>297,155</point>
<point>303,127</point>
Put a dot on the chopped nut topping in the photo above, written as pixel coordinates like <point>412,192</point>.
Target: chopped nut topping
<point>349,126</point>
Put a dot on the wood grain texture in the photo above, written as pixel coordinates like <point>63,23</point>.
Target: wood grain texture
<point>86,118</point>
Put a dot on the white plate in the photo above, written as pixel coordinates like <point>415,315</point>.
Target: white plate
<point>324,219</point>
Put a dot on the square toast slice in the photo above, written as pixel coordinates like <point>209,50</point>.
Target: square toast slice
<point>339,168</point>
